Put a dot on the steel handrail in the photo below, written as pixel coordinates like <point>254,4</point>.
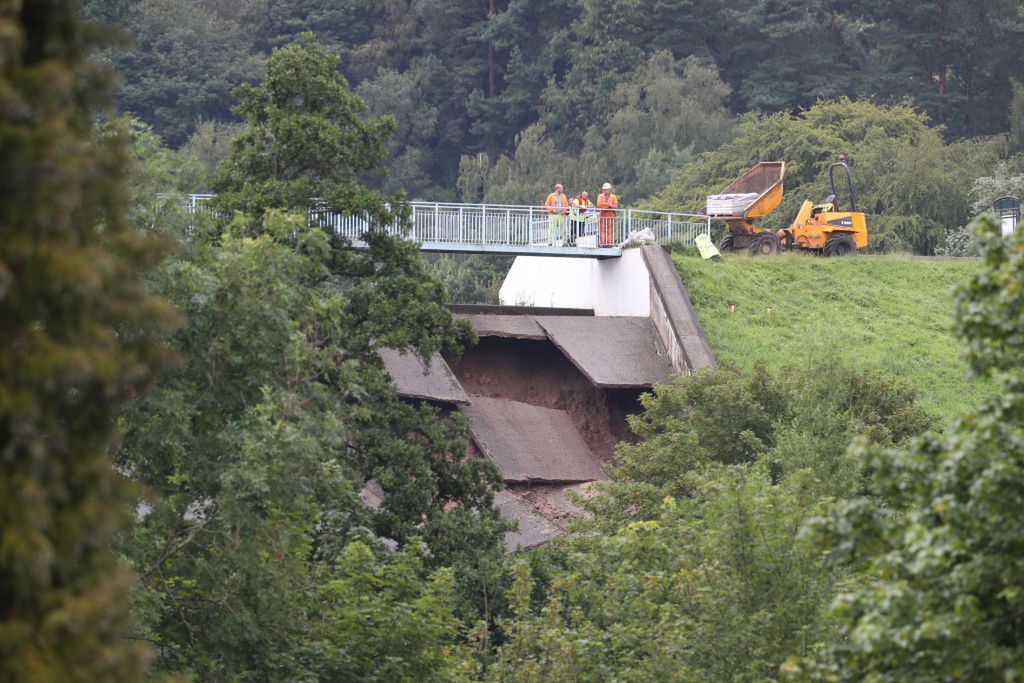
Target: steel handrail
<point>519,225</point>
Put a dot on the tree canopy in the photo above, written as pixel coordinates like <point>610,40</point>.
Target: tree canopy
<point>305,139</point>
<point>693,565</point>
<point>940,597</point>
<point>232,489</point>
<point>80,337</point>
<point>280,468</point>
<point>909,182</point>
<point>466,77</point>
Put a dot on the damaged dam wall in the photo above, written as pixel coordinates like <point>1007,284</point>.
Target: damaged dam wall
<point>642,282</point>
<point>558,370</point>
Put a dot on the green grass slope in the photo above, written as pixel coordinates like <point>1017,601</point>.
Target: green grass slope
<point>888,313</point>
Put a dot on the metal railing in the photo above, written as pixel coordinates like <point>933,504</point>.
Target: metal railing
<point>436,224</point>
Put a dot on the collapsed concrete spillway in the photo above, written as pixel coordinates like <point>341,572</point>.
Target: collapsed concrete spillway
<point>559,367</point>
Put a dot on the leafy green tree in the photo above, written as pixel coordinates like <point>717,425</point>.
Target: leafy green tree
<point>664,112</point>
<point>532,40</point>
<point>717,586</point>
<point>257,449</point>
<point>210,144</point>
<point>605,47</point>
<point>784,56</point>
<point>306,139</point>
<point>157,170</point>
<point>257,454</point>
<point>79,338</point>
<point>1017,118</point>
<point>486,70</point>
<point>472,279</point>
<point>411,165</point>
<point>530,174</point>
<point>1007,179</point>
<point>941,596</point>
<point>185,60</point>
<point>382,622</point>
<point>909,182</point>
<point>954,58</point>
<point>959,243</point>
<point>108,11</point>
<point>345,26</point>
<point>693,565</point>
<point>665,108</point>
<point>794,421</point>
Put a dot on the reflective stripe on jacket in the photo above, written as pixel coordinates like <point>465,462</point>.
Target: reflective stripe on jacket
<point>550,203</point>
<point>580,206</point>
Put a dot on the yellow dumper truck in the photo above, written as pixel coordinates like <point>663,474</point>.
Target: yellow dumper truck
<point>821,228</point>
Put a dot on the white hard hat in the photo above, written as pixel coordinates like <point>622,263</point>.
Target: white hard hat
<point>606,186</point>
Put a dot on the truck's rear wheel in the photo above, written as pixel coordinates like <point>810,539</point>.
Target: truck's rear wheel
<point>840,245</point>
<point>764,244</point>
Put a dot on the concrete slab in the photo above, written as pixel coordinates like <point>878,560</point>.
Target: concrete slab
<point>530,443</point>
<point>534,528</point>
<point>673,314</point>
<point>619,286</point>
<point>613,352</point>
<point>511,326</point>
<point>415,380</point>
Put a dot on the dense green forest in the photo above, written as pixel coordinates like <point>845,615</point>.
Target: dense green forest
<point>192,404</point>
<point>500,99</point>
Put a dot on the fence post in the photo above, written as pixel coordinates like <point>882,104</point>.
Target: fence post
<point>483,224</point>
<point>461,223</point>
<point>529,228</point>
<point>670,235</point>
<point>629,225</point>
<point>508,226</point>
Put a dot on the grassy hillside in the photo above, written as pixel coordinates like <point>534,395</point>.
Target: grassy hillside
<point>888,313</point>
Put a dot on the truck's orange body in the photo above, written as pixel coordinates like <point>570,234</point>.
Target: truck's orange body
<point>814,225</point>
<point>818,228</point>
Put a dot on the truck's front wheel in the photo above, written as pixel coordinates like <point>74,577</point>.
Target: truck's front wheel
<point>764,244</point>
<point>840,245</point>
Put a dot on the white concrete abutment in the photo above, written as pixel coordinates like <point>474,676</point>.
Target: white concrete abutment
<point>643,282</point>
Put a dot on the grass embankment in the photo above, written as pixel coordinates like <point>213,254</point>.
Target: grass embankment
<point>892,314</point>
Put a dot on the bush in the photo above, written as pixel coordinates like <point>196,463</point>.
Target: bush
<point>958,242</point>
<point>693,566</point>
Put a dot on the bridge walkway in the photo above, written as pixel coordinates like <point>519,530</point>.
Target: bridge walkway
<point>515,229</point>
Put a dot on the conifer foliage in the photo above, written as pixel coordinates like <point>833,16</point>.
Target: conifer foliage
<point>306,139</point>
<point>75,343</point>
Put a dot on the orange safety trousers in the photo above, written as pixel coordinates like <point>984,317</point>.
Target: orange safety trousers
<point>606,219</point>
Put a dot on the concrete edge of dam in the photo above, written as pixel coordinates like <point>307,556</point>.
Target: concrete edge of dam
<point>563,360</point>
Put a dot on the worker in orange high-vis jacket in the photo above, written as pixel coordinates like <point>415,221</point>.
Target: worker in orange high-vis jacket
<point>608,204</point>
<point>558,207</point>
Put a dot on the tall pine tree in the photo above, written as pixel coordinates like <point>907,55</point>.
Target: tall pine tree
<point>74,345</point>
